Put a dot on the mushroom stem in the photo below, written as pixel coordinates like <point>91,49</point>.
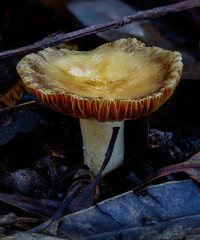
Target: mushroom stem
<point>96,137</point>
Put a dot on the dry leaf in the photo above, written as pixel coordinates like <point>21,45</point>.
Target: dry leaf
<point>41,207</point>
<point>190,167</point>
<point>13,94</point>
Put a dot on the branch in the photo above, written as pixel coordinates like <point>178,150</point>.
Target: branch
<point>23,106</point>
<point>141,15</point>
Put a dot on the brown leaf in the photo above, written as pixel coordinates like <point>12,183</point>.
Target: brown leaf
<point>12,219</point>
<point>190,167</point>
<point>11,95</point>
<point>41,207</point>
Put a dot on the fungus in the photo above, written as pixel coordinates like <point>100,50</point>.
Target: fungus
<point>117,81</point>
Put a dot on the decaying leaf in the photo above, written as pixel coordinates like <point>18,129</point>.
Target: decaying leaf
<point>190,167</point>
<point>166,143</point>
<point>12,219</point>
<point>165,211</point>
<point>50,227</point>
<point>30,236</point>
<point>11,95</point>
<point>169,210</point>
<point>40,207</point>
<point>103,11</point>
<point>165,206</point>
<point>147,32</point>
<point>25,122</point>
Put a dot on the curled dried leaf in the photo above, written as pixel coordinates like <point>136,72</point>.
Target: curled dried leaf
<point>12,95</point>
<point>191,167</point>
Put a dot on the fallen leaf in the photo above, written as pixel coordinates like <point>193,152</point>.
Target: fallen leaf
<point>190,167</point>
<point>162,211</point>
<point>103,11</point>
<point>26,122</point>
<point>40,207</point>
<point>146,31</point>
<point>9,97</point>
<point>29,236</point>
<point>50,227</point>
<point>12,219</point>
<point>11,86</point>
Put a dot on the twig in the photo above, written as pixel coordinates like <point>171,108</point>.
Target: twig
<point>51,225</point>
<point>141,15</point>
<point>11,219</point>
<point>23,106</point>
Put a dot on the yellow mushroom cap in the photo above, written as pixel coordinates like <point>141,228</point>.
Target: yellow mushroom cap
<point>116,81</point>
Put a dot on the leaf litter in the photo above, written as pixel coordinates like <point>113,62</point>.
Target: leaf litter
<point>191,167</point>
<point>75,202</point>
<point>48,159</point>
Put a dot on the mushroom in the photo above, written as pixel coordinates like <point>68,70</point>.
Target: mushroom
<point>103,87</point>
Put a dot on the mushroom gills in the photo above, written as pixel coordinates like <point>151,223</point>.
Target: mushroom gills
<point>96,137</point>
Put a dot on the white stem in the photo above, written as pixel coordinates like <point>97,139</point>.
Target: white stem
<point>96,137</point>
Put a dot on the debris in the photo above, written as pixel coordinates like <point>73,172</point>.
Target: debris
<point>26,122</point>
<point>190,167</point>
<point>44,208</point>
